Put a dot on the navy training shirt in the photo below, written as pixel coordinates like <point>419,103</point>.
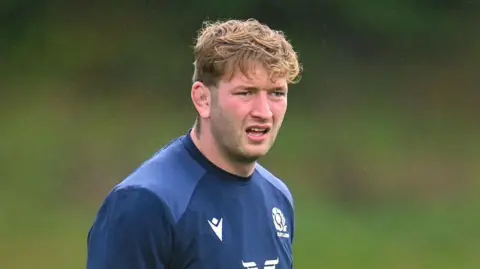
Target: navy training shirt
<point>180,211</point>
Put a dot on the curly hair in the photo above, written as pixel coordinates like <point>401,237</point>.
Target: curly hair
<point>223,48</point>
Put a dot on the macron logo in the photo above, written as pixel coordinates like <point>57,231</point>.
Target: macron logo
<point>216,227</point>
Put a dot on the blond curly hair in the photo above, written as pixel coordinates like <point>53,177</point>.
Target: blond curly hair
<point>223,48</point>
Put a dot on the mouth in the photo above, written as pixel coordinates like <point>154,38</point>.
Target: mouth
<point>257,131</point>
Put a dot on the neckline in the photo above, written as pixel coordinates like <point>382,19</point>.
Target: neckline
<point>211,167</point>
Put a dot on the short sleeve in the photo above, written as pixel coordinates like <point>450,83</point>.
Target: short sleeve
<point>133,230</point>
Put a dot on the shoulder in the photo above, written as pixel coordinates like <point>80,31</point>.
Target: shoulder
<point>134,204</point>
<point>171,175</point>
<point>131,223</point>
<point>276,182</point>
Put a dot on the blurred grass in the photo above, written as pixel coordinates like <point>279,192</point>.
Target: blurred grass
<point>404,237</point>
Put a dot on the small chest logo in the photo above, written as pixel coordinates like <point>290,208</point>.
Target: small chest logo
<point>279,222</point>
<point>216,226</point>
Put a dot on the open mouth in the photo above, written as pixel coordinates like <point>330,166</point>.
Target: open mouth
<point>257,131</point>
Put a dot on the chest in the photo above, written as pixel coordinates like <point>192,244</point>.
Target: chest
<point>240,229</point>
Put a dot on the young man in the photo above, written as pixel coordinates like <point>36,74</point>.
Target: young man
<point>203,201</point>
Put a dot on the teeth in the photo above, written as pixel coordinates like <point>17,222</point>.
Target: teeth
<point>257,129</point>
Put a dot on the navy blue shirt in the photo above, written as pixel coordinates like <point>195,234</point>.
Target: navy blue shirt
<point>180,211</point>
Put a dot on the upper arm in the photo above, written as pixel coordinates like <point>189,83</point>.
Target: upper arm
<point>133,230</point>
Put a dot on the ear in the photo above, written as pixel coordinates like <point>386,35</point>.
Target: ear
<point>201,98</point>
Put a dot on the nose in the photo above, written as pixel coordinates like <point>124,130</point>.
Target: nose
<point>261,106</point>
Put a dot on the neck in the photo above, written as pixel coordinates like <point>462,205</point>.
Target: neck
<point>209,148</point>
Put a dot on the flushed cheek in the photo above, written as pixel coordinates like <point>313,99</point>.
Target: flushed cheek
<point>278,114</point>
<point>235,111</point>
<point>278,107</point>
<point>233,114</point>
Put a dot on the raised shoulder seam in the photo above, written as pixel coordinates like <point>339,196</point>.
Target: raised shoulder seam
<point>164,202</point>
<point>191,196</point>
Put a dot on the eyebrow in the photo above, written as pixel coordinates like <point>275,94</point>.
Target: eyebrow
<point>279,88</point>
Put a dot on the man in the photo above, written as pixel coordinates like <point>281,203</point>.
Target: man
<point>203,201</point>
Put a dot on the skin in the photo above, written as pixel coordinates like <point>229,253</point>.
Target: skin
<point>227,110</point>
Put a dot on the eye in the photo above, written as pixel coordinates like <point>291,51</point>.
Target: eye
<point>279,93</point>
<point>242,93</point>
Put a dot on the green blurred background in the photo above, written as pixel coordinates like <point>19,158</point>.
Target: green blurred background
<point>380,146</point>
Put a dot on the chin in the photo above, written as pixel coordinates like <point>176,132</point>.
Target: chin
<point>256,152</point>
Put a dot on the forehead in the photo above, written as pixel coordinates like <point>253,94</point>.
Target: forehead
<point>256,76</point>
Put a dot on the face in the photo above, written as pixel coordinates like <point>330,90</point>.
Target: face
<point>246,114</point>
